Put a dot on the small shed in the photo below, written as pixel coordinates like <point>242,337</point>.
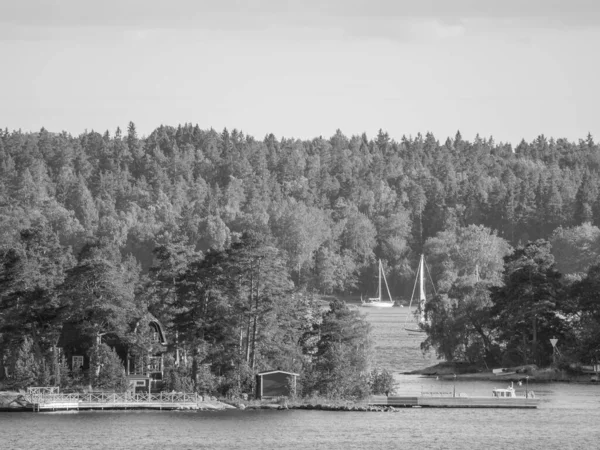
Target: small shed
<point>275,383</point>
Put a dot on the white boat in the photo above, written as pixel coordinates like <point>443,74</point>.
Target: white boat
<point>510,392</point>
<point>418,327</point>
<point>379,302</point>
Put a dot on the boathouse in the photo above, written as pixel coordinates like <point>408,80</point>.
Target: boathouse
<point>275,383</point>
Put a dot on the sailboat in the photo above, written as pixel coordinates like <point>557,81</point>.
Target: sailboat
<point>378,302</point>
<point>418,328</point>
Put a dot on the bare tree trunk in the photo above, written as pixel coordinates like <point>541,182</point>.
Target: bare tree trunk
<point>253,343</point>
<point>241,344</point>
<point>534,343</point>
<point>249,315</point>
<point>254,328</point>
<point>176,349</point>
<point>55,363</point>
<point>98,342</point>
<point>195,366</point>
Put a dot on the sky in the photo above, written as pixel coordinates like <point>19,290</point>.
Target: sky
<point>511,69</point>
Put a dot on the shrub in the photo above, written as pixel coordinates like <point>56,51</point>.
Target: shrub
<point>178,379</point>
<point>26,369</point>
<point>382,382</point>
<point>106,369</point>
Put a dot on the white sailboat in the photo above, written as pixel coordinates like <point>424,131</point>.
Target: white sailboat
<point>418,327</point>
<point>378,302</point>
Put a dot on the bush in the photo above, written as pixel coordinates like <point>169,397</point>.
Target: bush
<point>26,369</point>
<point>107,370</point>
<point>178,379</point>
<point>382,382</point>
<point>235,382</point>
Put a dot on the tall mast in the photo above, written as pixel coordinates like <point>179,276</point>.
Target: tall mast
<point>421,290</point>
<point>379,289</point>
<point>386,285</point>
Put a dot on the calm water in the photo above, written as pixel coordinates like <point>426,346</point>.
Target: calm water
<point>568,417</point>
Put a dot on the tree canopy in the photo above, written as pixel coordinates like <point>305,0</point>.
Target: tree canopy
<point>229,240</point>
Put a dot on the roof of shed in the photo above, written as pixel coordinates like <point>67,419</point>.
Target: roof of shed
<point>277,371</point>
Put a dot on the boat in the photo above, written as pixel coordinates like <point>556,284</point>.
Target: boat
<point>420,278</point>
<point>379,302</point>
<point>510,392</point>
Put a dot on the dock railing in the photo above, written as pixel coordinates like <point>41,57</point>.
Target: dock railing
<point>437,393</point>
<point>113,398</point>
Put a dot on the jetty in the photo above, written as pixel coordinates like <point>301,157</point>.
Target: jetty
<point>448,400</point>
<point>104,400</point>
<point>40,399</point>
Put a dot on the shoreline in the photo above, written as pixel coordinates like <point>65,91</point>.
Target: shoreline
<point>465,372</point>
<point>16,402</point>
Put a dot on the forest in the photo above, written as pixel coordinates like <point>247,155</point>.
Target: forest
<point>233,242</point>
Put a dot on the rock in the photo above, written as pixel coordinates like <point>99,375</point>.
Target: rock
<point>242,406</point>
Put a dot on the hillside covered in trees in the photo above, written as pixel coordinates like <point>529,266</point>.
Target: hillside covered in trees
<point>226,239</point>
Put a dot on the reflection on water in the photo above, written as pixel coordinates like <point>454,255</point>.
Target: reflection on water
<point>396,349</point>
<point>567,418</point>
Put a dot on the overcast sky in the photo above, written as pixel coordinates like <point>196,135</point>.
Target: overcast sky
<point>510,69</point>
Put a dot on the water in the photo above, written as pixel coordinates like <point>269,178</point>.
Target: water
<point>568,417</point>
<point>396,349</point>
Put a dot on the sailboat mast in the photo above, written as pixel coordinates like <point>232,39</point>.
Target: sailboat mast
<point>379,288</point>
<point>386,285</point>
<point>421,290</point>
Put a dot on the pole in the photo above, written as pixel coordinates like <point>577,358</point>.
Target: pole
<point>454,387</point>
<point>527,386</point>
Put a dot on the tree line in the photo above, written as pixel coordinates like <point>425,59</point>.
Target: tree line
<point>227,239</point>
<point>498,305</point>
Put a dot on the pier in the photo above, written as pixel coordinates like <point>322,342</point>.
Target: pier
<point>103,400</point>
<point>50,399</point>
<point>451,401</point>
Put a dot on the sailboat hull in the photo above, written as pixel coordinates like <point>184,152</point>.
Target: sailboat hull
<point>377,304</point>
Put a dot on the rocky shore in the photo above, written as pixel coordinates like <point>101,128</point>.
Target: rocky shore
<point>319,407</point>
<point>14,401</point>
<point>465,371</point>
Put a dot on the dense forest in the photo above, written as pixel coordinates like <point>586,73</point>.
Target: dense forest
<point>230,240</point>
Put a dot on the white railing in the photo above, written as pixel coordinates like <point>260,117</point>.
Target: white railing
<point>437,393</point>
<point>113,397</point>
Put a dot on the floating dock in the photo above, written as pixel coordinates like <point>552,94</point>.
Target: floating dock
<point>461,401</point>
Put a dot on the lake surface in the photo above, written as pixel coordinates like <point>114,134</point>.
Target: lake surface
<point>568,418</point>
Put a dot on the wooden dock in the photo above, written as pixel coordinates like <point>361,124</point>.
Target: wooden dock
<point>105,400</point>
<point>453,402</point>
